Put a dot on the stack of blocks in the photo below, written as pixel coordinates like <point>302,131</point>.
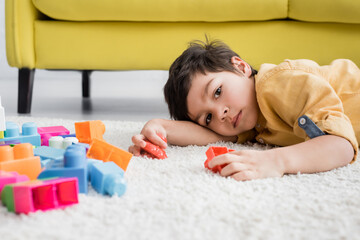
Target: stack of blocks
<point>29,133</point>
<point>21,159</point>
<point>68,164</point>
<point>47,132</point>
<point>75,165</point>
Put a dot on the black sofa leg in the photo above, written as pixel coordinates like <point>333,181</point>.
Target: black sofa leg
<point>86,83</point>
<point>25,88</point>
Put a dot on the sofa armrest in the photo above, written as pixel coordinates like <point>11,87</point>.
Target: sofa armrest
<point>20,16</point>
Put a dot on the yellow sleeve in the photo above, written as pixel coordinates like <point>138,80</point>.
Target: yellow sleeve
<point>289,93</point>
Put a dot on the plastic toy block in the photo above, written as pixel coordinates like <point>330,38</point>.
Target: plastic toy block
<point>85,145</point>
<point>29,133</point>
<point>101,150</point>
<point>87,131</point>
<point>154,151</point>
<point>50,157</point>
<point>21,159</point>
<point>1,134</point>
<point>42,195</point>
<point>107,178</point>
<point>11,177</point>
<point>62,143</point>
<point>12,142</point>
<point>90,163</point>
<point>75,165</point>
<point>47,132</point>
<point>215,151</point>
<point>68,135</point>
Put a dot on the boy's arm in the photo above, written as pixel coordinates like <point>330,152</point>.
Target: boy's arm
<point>183,133</point>
<point>315,155</point>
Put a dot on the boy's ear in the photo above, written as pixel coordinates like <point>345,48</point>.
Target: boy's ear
<point>241,65</point>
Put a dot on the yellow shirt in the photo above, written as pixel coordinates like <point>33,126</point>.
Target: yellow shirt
<point>328,95</point>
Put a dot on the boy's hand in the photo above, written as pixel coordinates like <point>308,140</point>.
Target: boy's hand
<point>249,164</point>
<point>150,132</point>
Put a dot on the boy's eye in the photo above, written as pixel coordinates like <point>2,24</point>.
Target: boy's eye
<point>208,119</point>
<point>217,92</point>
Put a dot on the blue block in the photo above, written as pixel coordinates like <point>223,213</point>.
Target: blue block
<point>29,133</point>
<point>75,165</point>
<point>90,163</point>
<point>68,135</point>
<point>56,156</point>
<point>108,178</point>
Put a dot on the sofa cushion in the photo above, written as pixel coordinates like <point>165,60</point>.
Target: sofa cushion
<point>342,11</point>
<point>163,10</point>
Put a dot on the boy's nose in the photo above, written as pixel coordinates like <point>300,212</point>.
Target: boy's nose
<point>223,114</point>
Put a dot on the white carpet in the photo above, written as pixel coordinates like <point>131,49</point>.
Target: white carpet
<point>177,198</point>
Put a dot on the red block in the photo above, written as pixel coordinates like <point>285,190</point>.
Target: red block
<point>154,151</point>
<point>213,152</point>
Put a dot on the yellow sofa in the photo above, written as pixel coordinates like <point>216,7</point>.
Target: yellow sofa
<point>143,34</point>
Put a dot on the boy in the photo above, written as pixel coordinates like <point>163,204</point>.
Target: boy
<point>214,95</point>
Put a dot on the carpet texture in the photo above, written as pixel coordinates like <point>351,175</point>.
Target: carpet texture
<point>177,198</point>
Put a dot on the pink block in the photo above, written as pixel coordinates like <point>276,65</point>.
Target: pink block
<point>47,132</point>
<point>45,194</point>
<point>11,177</point>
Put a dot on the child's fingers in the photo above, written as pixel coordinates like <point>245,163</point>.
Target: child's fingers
<point>138,140</point>
<point>233,168</point>
<point>158,140</point>
<point>244,175</point>
<point>135,150</point>
<point>223,159</point>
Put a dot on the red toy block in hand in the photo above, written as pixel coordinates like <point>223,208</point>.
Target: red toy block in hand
<point>153,151</point>
<point>213,152</point>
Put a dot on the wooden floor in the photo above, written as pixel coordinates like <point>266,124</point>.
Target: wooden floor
<point>127,95</point>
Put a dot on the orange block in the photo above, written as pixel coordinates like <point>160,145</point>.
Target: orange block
<point>20,159</point>
<point>101,150</point>
<point>87,131</point>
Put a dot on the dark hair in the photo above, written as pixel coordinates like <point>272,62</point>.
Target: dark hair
<point>199,57</point>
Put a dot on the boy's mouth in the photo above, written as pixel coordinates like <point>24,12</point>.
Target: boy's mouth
<point>235,121</point>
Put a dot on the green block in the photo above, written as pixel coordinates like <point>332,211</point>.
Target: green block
<point>1,134</point>
<point>7,197</point>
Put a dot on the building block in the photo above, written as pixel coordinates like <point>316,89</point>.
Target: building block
<point>87,131</point>
<point>101,150</point>
<point>62,143</point>
<point>10,143</point>
<point>30,196</point>
<point>2,120</point>
<point>47,132</point>
<point>50,157</point>
<point>154,151</point>
<point>11,177</point>
<point>75,165</point>
<point>90,163</point>
<point>29,133</point>
<point>21,159</point>
<point>68,135</point>
<point>216,151</point>
<point>107,178</point>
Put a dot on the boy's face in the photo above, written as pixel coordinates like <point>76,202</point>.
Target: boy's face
<point>224,102</point>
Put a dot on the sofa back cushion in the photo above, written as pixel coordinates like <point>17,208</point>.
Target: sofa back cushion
<point>342,11</point>
<point>163,10</point>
